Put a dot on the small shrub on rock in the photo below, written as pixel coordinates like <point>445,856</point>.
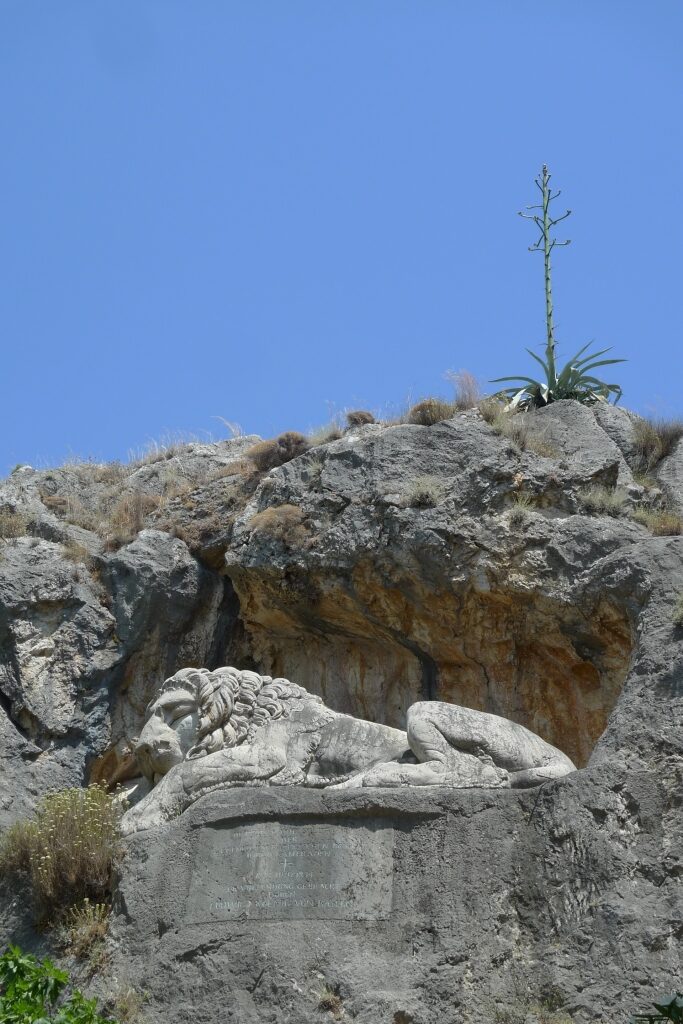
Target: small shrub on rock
<point>359,417</point>
<point>278,450</point>
<point>84,927</point>
<point>12,523</point>
<point>424,492</point>
<point>127,1004</point>
<point>430,411</point>
<point>67,851</point>
<point>330,1000</point>
<point>265,455</point>
<point>284,523</point>
<point>522,503</point>
<point>292,444</point>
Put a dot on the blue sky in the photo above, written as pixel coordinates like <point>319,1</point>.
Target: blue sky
<point>270,210</point>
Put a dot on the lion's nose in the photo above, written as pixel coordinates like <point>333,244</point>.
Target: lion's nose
<point>150,743</point>
<point>153,732</point>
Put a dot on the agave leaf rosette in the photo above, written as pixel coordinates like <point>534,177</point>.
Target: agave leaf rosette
<point>575,380</point>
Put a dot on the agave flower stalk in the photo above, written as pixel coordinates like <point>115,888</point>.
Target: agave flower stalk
<point>574,379</point>
<point>546,244</point>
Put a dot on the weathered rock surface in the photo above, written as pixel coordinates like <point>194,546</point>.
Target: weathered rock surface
<point>396,564</point>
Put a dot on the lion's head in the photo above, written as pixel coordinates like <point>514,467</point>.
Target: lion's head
<point>198,712</point>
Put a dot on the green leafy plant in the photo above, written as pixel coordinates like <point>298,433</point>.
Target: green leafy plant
<point>37,992</point>
<point>575,379</point>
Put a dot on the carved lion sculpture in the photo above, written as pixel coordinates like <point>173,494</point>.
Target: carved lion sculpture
<point>210,730</point>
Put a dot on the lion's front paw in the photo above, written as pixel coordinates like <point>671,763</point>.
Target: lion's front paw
<point>163,803</point>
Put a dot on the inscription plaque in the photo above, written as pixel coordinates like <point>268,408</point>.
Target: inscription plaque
<point>282,871</point>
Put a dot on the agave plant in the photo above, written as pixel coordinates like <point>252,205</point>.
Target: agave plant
<point>669,1009</point>
<point>574,380</point>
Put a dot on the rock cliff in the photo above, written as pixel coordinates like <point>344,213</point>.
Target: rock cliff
<point>394,564</point>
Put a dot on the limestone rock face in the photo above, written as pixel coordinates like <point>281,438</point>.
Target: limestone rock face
<point>350,589</point>
<point>399,563</point>
<point>87,631</point>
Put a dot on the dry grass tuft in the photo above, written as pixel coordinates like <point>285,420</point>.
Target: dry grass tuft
<point>603,501</point>
<point>490,409</point>
<point>67,851</point>
<point>77,553</point>
<point>265,455</point>
<point>164,449</point>
<point>467,393</point>
<point>284,523</point>
<point>659,521</point>
<point>359,418</point>
<point>654,440</point>
<point>127,518</point>
<point>234,429</point>
<point>109,473</point>
<point>240,468</point>
<point>516,426</point>
<point>323,435</point>
<point>645,480</point>
<point>12,523</point>
<point>424,492</point>
<point>522,503</point>
<point>430,411</point>
<point>115,516</point>
<point>268,454</point>
<point>127,1003</point>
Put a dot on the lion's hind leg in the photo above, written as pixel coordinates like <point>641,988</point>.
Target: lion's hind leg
<point>435,731</point>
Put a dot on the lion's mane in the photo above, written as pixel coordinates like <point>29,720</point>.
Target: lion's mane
<point>234,704</point>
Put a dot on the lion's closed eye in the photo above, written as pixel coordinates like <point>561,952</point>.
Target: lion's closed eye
<point>180,711</point>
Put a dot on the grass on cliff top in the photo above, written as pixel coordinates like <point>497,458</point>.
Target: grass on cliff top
<point>67,851</point>
<point>654,439</point>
